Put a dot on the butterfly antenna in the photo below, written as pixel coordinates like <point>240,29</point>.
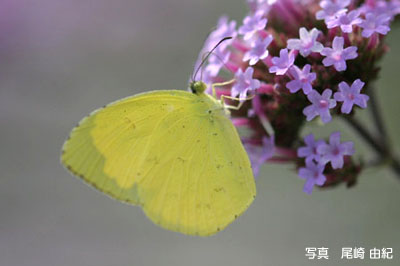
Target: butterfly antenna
<point>208,55</point>
<point>201,71</point>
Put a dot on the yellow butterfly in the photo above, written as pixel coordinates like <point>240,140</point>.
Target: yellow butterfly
<point>174,153</point>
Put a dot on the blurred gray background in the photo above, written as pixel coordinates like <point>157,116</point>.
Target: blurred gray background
<point>59,60</point>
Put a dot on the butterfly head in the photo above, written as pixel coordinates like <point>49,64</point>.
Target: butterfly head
<point>197,87</point>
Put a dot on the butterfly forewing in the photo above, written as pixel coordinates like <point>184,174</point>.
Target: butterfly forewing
<point>106,146</point>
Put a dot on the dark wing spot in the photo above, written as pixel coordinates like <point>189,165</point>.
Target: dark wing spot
<point>219,189</point>
<point>153,160</point>
<point>129,122</point>
<point>181,159</point>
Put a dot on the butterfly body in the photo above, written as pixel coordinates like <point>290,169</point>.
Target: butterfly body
<point>174,153</point>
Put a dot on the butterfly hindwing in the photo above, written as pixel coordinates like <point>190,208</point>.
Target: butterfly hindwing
<point>202,179</point>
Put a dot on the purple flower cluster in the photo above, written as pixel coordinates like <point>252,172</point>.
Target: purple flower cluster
<point>318,154</point>
<point>376,16</point>
<point>299,73</point>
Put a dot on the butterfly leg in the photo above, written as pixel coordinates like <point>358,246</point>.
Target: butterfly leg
<point>214,93</point>
<point>233,107</point>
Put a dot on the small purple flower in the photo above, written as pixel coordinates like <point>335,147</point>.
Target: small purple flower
<point>244,83</point>
<point>283,62</point>
<point>375,23</point>
<point>263,5</point>
<point>320,105</point>
<point>334,151</point>
<point>351,95</point>
<point>330,9</point>
<point>302,79</point>
<point>391,8</point>
<point>313,174</point>
<point>307,42</point>
<point>345,21</point>
<point>337,56</point>
<point>260,154</point>
<point>310,150</point>
<point>252,24</point>
<point>258,50</point>
<point>224,29</point>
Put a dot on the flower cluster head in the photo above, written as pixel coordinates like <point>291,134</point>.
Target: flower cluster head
<point>304,61</point>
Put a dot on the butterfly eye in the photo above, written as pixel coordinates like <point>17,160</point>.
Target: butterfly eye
<point>198,87</point>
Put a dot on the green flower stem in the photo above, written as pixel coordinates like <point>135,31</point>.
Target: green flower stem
<point>376,115</point>
<point>378,146</point>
